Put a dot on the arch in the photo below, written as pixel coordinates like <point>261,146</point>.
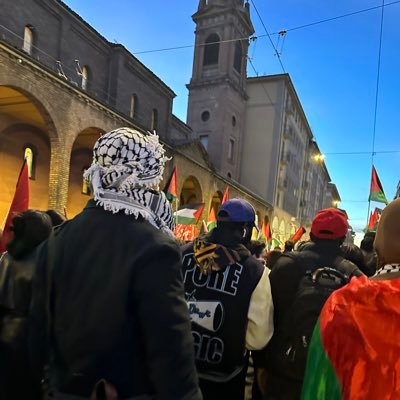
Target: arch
<point>211,50</point>
<point>275,226</point>
<point>191,192</point>
<point>282,231</point>
<point>238,57</point>
<point>216,200</point>
<point>259,220</point>
<point>81,159</point>
<point>20,106</point>
<point>85,77</point>
<point>28,39</point>
<point>154,120</point>
<point>289,227</point>
<point>14,140</point>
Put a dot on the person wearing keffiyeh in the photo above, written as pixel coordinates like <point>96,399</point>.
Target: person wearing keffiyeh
<point>108,310</point>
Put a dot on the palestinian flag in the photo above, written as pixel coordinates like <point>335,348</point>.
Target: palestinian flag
<point>265,233</point>
<point>298,234</point>
<point>354,352</point>
<point>226,195</point>
<point>189,214</point>
<point>376,192</point>
<point>19,203</point>
<point>171,187</point>
<point>212,220</point>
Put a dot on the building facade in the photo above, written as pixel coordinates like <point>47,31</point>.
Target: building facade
<point>254,129</point>
<point>61,86</point>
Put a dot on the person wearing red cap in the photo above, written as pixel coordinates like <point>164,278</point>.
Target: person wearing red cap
<point>328,231</point>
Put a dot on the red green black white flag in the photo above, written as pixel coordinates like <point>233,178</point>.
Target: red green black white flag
<point>376,192</point>
<point>171,187</point>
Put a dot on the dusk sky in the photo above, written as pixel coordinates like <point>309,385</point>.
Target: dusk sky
<point>333,66</point>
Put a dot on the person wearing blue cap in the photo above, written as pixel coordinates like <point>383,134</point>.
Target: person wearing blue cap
<point>229,299</point>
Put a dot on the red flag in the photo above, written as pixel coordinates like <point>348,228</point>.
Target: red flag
<point>226,195</point>
<point>265,233</point>
<point>171,187</point>
<point>298,234</point>
<point>20,203</point>
<point>373,219</point>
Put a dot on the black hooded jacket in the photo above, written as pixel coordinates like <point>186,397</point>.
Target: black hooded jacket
<point>219,304</point>
<point>117,309</point>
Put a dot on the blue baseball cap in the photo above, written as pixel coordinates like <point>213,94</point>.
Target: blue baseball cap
<point>237,210</point>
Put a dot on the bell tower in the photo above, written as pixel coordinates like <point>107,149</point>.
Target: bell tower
<point>217,89</point>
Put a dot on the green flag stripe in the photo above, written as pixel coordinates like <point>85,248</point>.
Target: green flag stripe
<point>320,380</point>
<point>378,197</point>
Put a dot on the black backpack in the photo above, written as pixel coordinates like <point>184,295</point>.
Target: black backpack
<point>314,289</point>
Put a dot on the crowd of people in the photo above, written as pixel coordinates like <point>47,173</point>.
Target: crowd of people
<point>109,306</point>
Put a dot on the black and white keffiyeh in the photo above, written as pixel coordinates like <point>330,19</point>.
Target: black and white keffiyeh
<point>388,269</point>
<point>126,171</point>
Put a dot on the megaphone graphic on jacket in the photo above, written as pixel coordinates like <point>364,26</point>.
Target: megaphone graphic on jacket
<point>207,314</point>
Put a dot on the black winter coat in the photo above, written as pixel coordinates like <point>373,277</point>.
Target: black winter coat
<point>15,296</point>
<point>117,309</point>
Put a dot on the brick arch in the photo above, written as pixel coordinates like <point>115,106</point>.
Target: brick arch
<point>40,103</point>
<point>13,141</point>
<point>191,191</point>
<point>81,159</point>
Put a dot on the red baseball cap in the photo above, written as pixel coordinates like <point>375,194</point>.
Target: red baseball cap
<point>330,223</point>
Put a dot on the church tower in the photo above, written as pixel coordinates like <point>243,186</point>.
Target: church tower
<point>217,89</point>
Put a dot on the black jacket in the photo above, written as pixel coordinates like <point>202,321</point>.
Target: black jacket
<point>117,309</point>
<point>15,296</point>
<point>285,278</point>
<point>219,305</point>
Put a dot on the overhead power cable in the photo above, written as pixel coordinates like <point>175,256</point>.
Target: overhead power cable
<point>278,55</point>
<point>322,21</point>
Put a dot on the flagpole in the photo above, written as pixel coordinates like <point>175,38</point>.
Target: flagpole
<point>369,208</point>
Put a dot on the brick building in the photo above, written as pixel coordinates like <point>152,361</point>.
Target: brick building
<point>61,86</point>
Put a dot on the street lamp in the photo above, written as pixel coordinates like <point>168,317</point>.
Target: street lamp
<point>318,157</point>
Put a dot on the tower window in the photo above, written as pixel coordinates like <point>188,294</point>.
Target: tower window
<point>231,148</point>
<point>154,120</point>
<point>85,77</point>
<point>233,120</point>
<point>211,50</point>
<point>28,39</point>
<point>238,59</point>
<point>134,104</point>
<point>205,116</point>
<point>28,156</point>
<point>204,141</point>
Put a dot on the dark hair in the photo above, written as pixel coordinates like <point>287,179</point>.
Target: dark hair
<point>354,254</point>
<point>339,241</point>
<point>30,229</point>
<point>272,258</point>
<point>289,245</point>
<point>256,247</point>
<point>56,217</point>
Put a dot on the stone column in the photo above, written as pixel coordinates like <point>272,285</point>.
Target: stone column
<point>59,173</point>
